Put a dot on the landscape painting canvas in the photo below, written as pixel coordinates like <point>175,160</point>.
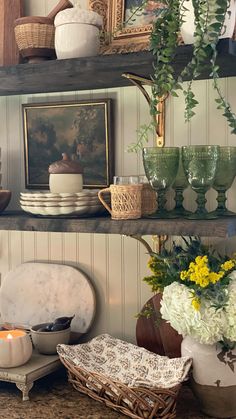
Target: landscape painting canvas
<point>144,16</point>
<point>81,129</point>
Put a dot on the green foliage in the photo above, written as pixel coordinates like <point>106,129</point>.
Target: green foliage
<point>167,265</point>
<point>143,135</point>
<point>209,22</point>
<point>148,312</point>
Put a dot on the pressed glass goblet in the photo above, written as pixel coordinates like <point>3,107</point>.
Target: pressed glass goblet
<point>179,185</point>
<point>161,167</point>
<point>200,164</point>
<point>225,174</point>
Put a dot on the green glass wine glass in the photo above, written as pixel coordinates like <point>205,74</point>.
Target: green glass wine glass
<point>161,167</point>
<point>225,174</point>
<point>179,185</point>
<point>200,165</point>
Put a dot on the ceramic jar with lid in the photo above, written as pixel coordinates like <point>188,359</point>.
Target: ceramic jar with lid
<point>65,176</point>
<point>77,33</point>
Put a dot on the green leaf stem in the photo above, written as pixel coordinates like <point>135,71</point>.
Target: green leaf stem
<point>209,17</point>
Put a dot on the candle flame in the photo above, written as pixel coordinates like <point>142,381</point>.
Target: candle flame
<point>9,336</point>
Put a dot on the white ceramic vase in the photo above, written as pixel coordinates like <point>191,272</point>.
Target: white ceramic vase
<point>77,33</point>
<point>188,27</point>
<point>213,377</point>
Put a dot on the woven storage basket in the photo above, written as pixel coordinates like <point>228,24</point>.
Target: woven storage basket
<point>135,402</point>
<point>149,201</point>
<point>35,36</point>
<point>127,378</point>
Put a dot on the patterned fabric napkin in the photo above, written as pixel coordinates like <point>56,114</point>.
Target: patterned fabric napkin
<point>127,363</point>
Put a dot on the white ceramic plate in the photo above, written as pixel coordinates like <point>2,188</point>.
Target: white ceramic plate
<point>72,210</point>
<point>70,203</point>
<point>69,199</point>
<point>47,195</point>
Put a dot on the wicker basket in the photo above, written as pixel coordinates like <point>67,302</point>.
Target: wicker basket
<point>149,201</point>
<point>35,37</point>
<point>125,377</point>
<point>135,402</point>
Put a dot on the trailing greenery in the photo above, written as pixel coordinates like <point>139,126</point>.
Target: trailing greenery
<point>209,22</point>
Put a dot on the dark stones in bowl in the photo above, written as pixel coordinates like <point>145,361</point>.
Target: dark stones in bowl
<point>46,341</point>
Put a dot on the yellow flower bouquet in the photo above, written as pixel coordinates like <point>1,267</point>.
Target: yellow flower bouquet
<point>199,291</point>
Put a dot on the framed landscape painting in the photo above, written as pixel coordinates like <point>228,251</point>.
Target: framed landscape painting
<point>80,129</point>
<point>123,30</point>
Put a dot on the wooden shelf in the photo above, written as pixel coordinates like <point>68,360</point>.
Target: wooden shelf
<point>225,227</point>
<point>99,72</point>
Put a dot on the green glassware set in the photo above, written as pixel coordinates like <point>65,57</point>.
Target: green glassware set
<point>200,166</point>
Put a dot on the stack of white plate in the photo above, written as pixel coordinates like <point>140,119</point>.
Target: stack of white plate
<point>83,203</point>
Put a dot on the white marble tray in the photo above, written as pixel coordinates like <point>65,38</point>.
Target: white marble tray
<point>35,293</point>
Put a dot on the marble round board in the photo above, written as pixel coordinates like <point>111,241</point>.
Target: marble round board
<point>35,293</point>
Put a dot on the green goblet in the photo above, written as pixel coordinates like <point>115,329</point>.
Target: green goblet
<point>225,174</point>
<point>179,185</point>
<point>200,164</point>
<point>161,167</point>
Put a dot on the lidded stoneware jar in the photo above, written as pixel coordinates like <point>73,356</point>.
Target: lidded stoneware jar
<point>77,33</point>
<point>65,176</point>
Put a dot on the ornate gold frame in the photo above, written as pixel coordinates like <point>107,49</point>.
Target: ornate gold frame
<point>118,39</point>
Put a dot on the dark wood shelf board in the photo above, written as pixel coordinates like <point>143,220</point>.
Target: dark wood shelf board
<point>211,228</point>
<point>100,72</point>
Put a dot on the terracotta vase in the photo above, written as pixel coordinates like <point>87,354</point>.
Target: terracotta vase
<point>213,377</point>
<point>154,333</point>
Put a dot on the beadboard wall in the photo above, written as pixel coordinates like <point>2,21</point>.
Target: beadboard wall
<point>115,264</point>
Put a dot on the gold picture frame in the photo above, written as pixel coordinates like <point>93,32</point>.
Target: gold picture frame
<point>117,37</point>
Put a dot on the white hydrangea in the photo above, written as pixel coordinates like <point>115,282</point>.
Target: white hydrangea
<point>207,325</point>
<point>76,3</point>
<point>230,332</point>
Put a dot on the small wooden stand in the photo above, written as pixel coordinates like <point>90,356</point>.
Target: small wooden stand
<point>24,376</point>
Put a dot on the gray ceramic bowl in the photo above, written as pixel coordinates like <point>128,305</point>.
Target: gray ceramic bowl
<point>46,342</point>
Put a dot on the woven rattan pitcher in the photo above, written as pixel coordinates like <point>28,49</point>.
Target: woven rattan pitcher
<point>125,201</point>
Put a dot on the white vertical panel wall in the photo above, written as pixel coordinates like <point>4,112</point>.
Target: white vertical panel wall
<point>114,263</point>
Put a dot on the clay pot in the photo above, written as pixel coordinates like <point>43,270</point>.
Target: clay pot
<point>213,377</point>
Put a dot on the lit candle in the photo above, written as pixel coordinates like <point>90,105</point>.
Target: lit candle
<point>11,334</point>
<point>15,348</point>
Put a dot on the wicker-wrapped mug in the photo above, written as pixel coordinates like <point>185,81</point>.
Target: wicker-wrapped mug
<point>126,201</point>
